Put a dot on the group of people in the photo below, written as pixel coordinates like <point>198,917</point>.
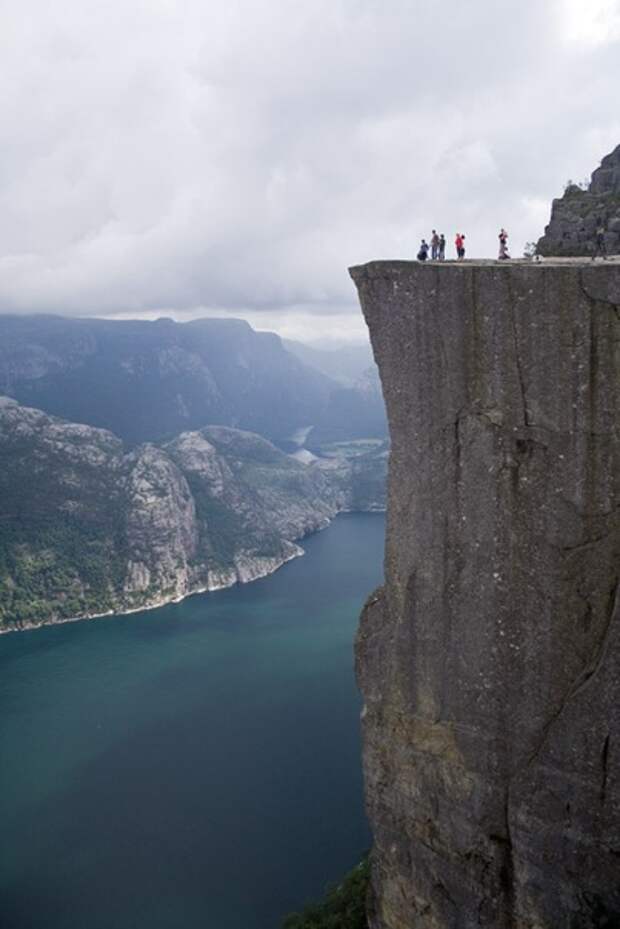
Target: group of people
<point>437,247</point>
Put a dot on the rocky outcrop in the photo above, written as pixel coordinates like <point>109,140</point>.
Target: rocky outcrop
<point>161,528</point>
<point>252,500</point>
<point>87,527</point>
<point>490,661</point>
<point>577,215</point>
<point>359,472</point>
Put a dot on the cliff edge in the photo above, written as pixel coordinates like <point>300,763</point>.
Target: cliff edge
<point>490,661</point>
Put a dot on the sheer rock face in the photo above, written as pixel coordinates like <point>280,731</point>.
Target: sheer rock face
<point>490,661</point>
<point>577,215</point>
<point>161,527</point>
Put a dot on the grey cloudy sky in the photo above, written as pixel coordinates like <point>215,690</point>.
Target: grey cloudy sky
<point>177,157</point>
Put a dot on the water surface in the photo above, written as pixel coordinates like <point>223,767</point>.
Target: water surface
<point>191,767</point>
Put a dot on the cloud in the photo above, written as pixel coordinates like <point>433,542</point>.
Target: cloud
<point>594,23</point>
<point>182,156</point>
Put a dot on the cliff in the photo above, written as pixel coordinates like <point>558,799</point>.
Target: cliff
<point>87,527</point>
<point>577,215</point>
<point>490,660</point>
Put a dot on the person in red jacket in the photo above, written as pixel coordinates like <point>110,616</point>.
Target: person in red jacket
<point>460,245</point>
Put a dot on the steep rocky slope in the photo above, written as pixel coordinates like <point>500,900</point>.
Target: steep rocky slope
<point>577,215</point>
<point>490,661</point>
<point>88,527</point>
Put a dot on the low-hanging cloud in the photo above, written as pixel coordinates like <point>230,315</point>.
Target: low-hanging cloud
<point>177,156</point>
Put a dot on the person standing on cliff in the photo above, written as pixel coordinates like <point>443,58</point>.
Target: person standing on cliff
<point>503,244</point>
<point>434,245</point>
<point>600,246</point>
<point>423,252</point>
<point>442,247</point>
<point>460,245</point>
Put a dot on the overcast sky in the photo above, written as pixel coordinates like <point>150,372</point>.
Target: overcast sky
<point>180,157</point>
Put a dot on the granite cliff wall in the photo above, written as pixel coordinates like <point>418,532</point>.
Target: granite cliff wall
<point>490,660</point>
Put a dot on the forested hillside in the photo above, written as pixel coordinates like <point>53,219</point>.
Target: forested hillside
<point>89,526</point>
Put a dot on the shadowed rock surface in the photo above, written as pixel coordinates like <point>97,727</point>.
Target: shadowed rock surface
<point>490,661</point>
<point>577,215</point>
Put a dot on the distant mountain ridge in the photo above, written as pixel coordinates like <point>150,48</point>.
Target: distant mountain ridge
<point>344,364</point>
<point>150,380</point>
<point>89,527</point>
<point>359,407</point>
<point>146,380</point>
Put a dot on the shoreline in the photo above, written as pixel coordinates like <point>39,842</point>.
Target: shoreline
<point>167,601</point>
<point>154,604</point>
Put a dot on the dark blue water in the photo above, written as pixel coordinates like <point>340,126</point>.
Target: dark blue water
<point>192,767</point>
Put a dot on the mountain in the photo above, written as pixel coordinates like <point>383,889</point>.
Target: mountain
<point>354,412</point>
<point>359,471</point>
<point>355,407</point>
<point>88,527</point>
<point>344,364</point>
<point>146,381</point>
<point>577,215</point>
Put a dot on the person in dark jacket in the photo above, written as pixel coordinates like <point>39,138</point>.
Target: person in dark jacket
<point>423,252</point>
<point>503,244</point>
<point>600,245</point>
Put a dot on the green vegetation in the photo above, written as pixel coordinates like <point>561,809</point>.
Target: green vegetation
<point>87,527</point>
<point>344,906</point>
<point>222,529</point>
<point>62,569</point>
<point>62,552</point>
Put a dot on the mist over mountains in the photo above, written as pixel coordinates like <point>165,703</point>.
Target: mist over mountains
<point>147,381</point>
<point>342,363</point>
